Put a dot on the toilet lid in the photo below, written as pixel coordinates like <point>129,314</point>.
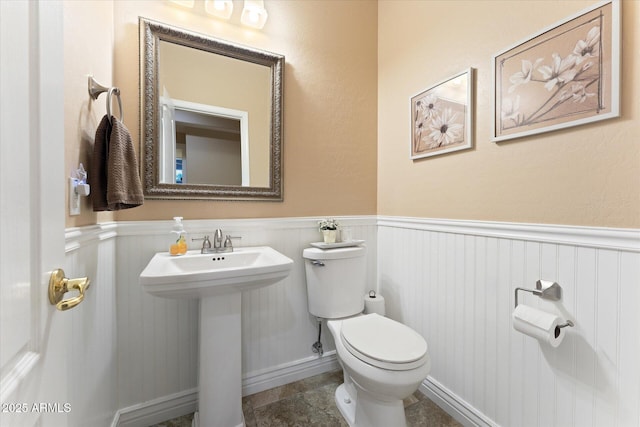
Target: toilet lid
<point>383,342</point>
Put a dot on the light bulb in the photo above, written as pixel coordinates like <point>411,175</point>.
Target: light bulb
<point>219,8</point>
<point>254,14</point>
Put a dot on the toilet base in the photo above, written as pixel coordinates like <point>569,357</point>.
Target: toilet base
<point>346,404</point>
<point>363,411</point>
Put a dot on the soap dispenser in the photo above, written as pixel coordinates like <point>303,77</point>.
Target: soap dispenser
<point>178,237</point>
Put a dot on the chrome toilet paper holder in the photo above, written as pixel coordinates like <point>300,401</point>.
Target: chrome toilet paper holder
<point>546,290</point>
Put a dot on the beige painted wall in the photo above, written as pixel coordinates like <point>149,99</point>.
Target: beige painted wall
<point>88,50</point>
<point>330,99</point>
<point>588,175</point>
<point>330,102</point>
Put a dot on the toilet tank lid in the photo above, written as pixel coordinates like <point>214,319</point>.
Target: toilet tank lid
<point>339,253</point>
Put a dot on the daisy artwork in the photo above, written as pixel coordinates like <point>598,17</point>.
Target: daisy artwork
<point>441,117</point>
<point>565,76</point>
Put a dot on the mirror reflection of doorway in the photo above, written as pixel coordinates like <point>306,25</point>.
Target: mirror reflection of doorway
<point>210,148</point>
<point>203,144</point>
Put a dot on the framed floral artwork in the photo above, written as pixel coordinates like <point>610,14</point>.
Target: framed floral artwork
<point>566,75</point>
<point>441,117</point>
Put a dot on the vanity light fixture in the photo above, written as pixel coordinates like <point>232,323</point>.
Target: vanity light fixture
<point>219,8</point>
<point>184,3</point>
<point>254,14</point>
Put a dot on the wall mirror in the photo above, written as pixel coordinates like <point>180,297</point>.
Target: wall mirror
<point>211,117</point>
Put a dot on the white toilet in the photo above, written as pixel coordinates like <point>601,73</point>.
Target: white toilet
<point>383,360</point>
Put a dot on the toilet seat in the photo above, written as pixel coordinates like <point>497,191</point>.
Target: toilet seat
<point>383,342</point>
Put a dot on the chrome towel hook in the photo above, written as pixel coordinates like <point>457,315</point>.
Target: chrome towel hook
<point>95,89</point>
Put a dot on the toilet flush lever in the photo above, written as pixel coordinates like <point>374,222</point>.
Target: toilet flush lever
<point>317,263</point>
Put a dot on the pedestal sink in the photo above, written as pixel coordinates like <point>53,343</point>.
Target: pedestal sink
<point>217,280</point>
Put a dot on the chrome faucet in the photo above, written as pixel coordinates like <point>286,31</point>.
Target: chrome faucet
<point>218,245</point>
<point>217,239</point>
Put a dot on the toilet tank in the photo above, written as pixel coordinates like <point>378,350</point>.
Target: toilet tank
<point>336,281</point>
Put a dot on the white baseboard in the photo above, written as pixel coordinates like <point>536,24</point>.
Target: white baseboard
<point>255,382</point>
<point>185,402</point>
<point>452,404</point>
<point>157,410</point>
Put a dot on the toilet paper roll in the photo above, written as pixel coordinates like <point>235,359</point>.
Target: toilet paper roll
<point>374,304</point>
<point>538,324</point>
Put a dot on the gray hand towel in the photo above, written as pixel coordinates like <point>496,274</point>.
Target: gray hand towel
<point>97,176</point>
<point>124,189</point>
<point>115,165</point>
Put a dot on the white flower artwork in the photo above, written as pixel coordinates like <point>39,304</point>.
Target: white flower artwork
<point>565,76</point>
<point>441,117</point>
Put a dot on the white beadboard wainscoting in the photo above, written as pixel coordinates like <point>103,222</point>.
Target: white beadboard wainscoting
<point>135,356</point>
<point>454,281</point>
<point>93,387</point>
<point>157,338</point>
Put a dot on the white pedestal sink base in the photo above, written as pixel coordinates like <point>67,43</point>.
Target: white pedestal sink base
<point>220,396</point>
<point>218,281</point>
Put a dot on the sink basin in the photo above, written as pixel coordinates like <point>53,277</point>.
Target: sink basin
<point>196,275</point>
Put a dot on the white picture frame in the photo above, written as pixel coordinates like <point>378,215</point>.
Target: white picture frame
<point>442,116</point>
<point>566,75</point>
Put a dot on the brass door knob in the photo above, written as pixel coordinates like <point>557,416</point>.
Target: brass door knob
<point>60,285</point>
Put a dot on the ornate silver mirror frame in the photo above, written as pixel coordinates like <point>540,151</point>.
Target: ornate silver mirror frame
<point>151,33</point>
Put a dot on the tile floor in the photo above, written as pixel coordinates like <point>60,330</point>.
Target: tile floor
<point>310,402</point>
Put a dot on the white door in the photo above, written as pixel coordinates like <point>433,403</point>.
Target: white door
<point>33,358</point>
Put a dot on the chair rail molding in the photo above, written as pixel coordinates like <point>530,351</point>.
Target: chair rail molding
<point>624,239</point>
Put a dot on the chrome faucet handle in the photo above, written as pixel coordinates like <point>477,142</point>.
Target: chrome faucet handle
<point>227,241</point>
<point>206,244</point>
<point>217,238</point>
